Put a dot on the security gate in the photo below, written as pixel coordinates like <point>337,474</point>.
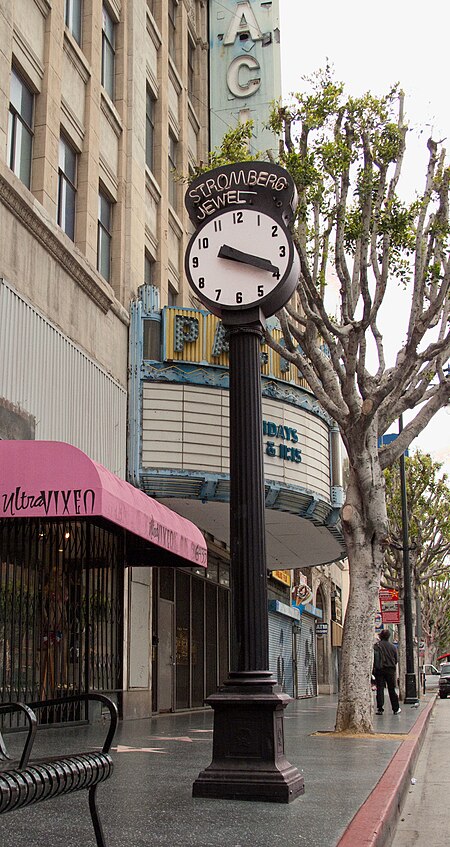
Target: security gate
<point>60,610</point>
<point>305,649</point>
<point>280,651</point>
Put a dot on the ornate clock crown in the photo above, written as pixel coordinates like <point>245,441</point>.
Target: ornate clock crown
<point>261,185</point>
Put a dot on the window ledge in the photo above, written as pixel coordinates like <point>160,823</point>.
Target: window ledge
<point>174,76</point>
<point>152,185</point>
<point>153,30</point>
<point>21,203</point>
<point>110,112</point>
<point>76,56</point>
<point>175,222</point>
<point>193,116</point>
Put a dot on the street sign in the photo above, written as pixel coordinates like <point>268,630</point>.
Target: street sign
<point>378,622</point>
<point>389,605</point>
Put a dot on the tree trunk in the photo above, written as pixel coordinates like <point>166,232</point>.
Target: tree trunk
<point>364,524</point>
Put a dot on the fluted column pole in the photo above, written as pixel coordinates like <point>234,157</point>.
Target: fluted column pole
<point>249,622</point>
<point>248,740</point>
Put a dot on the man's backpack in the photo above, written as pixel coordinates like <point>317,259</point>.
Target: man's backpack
<point>377,658</point>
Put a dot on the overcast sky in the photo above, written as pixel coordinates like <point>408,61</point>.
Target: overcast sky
<point>373,46</point>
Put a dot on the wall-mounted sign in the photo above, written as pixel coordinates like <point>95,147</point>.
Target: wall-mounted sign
<point>192,335</point>
<point>389,605</point>
<point>321,628</point>
<point>245,67</point>
<point>301,595</point>
<point>284,451</point>
<point>282,576</point>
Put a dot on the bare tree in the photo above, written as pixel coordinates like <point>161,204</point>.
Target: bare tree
<point>436,615</point>
<point>346,156</point>
<point>428,511</point>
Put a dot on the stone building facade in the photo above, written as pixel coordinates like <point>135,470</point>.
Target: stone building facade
<point>103,108</point>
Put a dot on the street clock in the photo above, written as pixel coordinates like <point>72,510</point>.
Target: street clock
<point>241,259</point>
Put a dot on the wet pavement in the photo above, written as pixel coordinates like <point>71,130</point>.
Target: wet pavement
<point>424,819</point>
<point>148,800</point>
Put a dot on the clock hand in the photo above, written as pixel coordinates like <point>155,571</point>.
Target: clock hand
<point>227,252</point>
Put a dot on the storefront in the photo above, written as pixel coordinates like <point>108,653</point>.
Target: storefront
<point>190,636</point>
<point>68,529</point>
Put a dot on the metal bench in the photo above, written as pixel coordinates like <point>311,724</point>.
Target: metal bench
<point>25,782</point>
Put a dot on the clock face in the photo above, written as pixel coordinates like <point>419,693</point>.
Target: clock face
<point>238,258</point>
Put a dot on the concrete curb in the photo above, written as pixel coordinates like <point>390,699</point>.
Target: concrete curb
<point>374,824</point>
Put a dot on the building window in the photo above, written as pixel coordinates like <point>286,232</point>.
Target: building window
<point>172,11</point>
<point>172,296</point>
<point>173,145</point>
<point>72,18</point>
<point>67,174</point>
<point>149,269</point>
<point>336,603</point>
<point>108,52</point>
<point>149,129</point>
<point>191,68</point>
<point>20,133</point>
<point>104,235</point>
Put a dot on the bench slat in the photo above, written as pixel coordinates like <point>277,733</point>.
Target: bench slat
<point>27,782</point>
<point>47,779</point>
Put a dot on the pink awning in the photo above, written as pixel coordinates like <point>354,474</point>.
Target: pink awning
<point>51,479</point>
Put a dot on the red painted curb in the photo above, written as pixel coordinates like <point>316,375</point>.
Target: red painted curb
<point>375,821</point>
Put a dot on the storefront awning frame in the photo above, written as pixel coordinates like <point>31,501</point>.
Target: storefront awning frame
<point>53,479</point>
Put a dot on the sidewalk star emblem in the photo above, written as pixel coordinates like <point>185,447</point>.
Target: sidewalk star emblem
<point>170,738</point>
<point>124,749</point>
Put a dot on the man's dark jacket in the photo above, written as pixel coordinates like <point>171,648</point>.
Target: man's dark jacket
<point>388,654</point>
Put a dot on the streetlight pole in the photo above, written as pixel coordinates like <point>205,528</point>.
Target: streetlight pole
<point>248,741</point>
<point>410,676</point>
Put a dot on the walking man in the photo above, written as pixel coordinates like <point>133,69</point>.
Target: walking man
<point>385,671</point>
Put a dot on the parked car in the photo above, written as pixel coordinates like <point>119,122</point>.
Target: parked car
<point>444,681</point>
<point>432,676</point>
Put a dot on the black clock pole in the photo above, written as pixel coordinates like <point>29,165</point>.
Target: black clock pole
<point>248,742</point>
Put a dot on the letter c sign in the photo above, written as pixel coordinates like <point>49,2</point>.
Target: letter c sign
<point>236,84</point>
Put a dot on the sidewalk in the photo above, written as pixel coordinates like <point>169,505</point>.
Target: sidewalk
<point>424,817</point>
<point>148,801</point>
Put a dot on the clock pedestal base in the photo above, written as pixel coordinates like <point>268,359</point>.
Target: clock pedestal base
<point>248,746</point>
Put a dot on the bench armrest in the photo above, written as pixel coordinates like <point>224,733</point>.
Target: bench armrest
<point>32,726</point>
<point>74,698</point>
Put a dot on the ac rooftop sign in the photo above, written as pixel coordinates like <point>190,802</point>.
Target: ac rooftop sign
<point>245,67</point>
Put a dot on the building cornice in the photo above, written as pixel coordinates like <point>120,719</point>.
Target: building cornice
<point>70,259</point>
